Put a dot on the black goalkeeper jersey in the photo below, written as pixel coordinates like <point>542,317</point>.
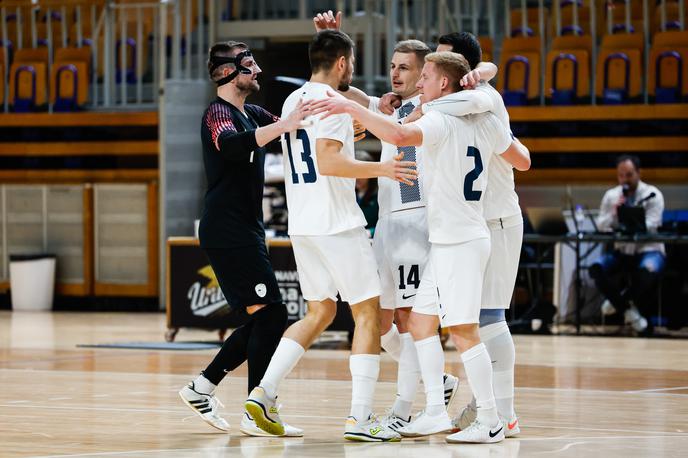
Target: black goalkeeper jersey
<point>234,168</point>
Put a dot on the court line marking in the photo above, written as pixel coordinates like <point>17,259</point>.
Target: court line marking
<point>337,418</point>
<point>656,390</point>
<point>320,444</point>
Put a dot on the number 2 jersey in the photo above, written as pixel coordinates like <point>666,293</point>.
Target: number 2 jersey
<point>318,204</point>
<point>458,152</point>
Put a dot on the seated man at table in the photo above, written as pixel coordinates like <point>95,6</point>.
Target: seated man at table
<point>644,262</point>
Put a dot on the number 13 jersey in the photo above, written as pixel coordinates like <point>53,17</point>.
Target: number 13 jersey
<point>318,204</point>
<point>458,152</point>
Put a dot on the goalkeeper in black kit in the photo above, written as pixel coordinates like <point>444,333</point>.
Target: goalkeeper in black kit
<point>234,136</point>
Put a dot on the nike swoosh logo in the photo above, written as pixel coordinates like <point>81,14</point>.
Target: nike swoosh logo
<point>493,434</point>
<point>512,425</point>
<point>404,296</point>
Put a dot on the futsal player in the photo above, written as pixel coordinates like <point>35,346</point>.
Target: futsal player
<point>458,152</point>
<point>331,247</point>
<point>504,219</point>
<point>400,242</point>
<point>234,135</point>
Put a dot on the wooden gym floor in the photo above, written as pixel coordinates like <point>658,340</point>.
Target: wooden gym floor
<point>576,396</point>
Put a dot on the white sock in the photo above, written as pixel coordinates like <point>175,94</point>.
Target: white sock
<point>408,377</point>
<point>203,385</point>
<point>476,363</point>
<point>365,370</point>
<point>500,346</point>
<point>391,342</point>
<point>431,362</point>
<point>288,353</point>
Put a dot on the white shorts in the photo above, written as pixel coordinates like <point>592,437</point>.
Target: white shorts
<point>451,286</point>
<point>401,249</point>
<point>342,263</point>
<point>506,236</point>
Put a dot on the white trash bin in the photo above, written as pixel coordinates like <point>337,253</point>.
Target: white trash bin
<point>32,281</point>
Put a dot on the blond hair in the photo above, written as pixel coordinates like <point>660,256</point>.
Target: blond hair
<point>450,64</point>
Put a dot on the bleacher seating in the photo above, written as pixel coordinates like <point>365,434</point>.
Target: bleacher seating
<point>520,67</point>
<point>619,68</point>
<point>69,79</point>
<point>668,68</point>
<point>567,75</point>
<point>28,79</point>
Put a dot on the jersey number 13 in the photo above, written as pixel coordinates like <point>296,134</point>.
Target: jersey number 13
<point>310,176</point>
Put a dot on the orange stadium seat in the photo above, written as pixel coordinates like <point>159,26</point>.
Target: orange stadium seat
<point>567,75</point>
<point>520,64</point>
<point>532,22</point>
<point>619,68</point>
<point>568,25</point>
<point>69,78</point>
<point>673,20</point>
<point>487,47</point>
<point>28,79</point>
<point>668,69</point>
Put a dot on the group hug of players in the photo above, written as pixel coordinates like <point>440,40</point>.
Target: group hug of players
<point>445,250</point>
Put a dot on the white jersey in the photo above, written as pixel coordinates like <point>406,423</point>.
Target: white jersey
<point>458,154</point>
<point>318,205</point>
<point>501,200</point>
<point>392,195</point>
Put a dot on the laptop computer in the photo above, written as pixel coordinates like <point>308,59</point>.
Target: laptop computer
<point>632,220</point>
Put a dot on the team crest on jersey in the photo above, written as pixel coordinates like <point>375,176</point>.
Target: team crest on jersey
<point>207,299</point>
<point>261,289</point>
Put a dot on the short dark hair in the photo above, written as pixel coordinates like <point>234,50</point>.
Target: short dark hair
<point>328,46</point>
<point>635,160</point>
<point>465,44</point>
<point>416,47</point>
<point>223,49</point>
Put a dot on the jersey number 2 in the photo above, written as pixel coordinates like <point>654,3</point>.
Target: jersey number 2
<point>473,175</point>
<point>310,176</point>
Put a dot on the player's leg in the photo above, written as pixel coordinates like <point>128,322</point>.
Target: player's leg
<point>389,333</point>
<point>317,287</point>
<point>498,285</point>
<point>423,325</point>
<point>644,279</point>
<point>354,269</point>
<point>461,315</point>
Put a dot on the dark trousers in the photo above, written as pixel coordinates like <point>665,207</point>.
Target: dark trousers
<point>643,271</point>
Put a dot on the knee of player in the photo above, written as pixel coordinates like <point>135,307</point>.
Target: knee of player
<point>323,315</point>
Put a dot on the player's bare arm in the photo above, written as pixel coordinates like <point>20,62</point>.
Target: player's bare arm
<point>331,162</point>
<point>517,155</point>
<point>383,128</point>
<point>266,134</point>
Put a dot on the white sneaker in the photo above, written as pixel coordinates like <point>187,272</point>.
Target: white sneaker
<point>512,429</point>
<point>466,417</point>
<point>451,387</point>
<point>633,317</point>
<point>478,433</point>
<point>607,308</point>
<point>425,425</point>
<point>264,412</point>
<point>249,427</point>
<point>393,422</point>
<point>205,406</point>
<point>370,430</point>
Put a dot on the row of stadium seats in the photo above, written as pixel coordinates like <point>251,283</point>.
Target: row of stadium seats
<point>577,21</point>
<point>28,79</point>
<point>619,69</point>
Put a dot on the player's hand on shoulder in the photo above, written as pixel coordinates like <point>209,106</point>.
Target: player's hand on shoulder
<point>402,171</point>
<point>471,79</point>
<point>389,102</point>
<point>332,105</point>
<point>327,21</point>
<point>415,115</point>
<point>296,119</point>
